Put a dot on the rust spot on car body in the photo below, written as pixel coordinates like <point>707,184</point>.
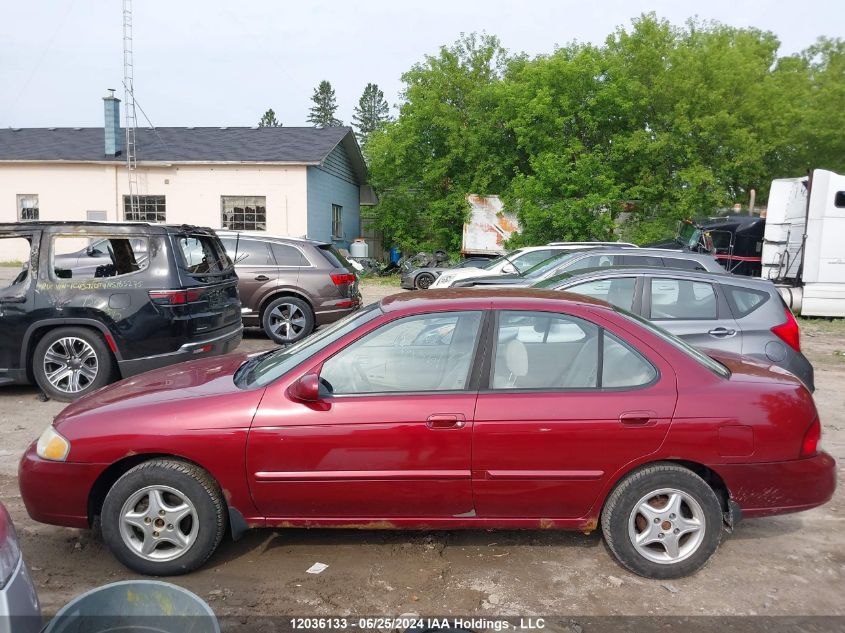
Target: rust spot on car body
<point>547,524</point>
<point>590,525</point>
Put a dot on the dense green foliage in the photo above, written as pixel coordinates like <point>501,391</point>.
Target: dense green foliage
<point>371,113</point>
<point>322,113</point>
<point>268,119</point>
<point>658,123</point>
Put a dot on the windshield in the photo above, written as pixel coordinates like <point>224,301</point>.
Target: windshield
<point>261,370</point>
<point>549,265</point>
<point>713,365</point>
<point>688,235</point>
<point>506,257</point>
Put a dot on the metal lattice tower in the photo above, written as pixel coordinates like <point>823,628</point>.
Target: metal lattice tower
<point>129,108</point>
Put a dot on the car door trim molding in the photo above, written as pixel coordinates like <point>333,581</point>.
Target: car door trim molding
<point>543,474</point>
<point>359,475</point>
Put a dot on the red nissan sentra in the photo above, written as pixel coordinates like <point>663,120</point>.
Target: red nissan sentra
<point>447,409</point>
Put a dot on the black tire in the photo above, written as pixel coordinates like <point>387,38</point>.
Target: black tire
<point>192,483</point>
<point>273,315</point>
<point>75,380</point>
<point>618,515</point>
<point>424,280</point>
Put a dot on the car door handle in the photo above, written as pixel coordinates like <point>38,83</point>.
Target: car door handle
<point>637,418</point>
<point>446,421</point>
<point>721,332</point>
<point>262,278</point>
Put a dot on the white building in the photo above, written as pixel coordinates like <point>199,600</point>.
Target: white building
<point>304,182</point>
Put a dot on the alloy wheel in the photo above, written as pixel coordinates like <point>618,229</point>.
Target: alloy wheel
<point>287,321</point>
<point>158,523</point>
<point>70,364</point>
<point>666,526</point>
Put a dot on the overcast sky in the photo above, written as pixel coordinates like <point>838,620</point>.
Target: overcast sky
<point>224,62</point>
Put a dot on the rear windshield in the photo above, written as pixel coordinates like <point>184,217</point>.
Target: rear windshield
<point>713,365</point>
<point>202,255</point>
<point>334,256</point>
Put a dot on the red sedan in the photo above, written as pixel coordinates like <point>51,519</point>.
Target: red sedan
<point>449,409</point>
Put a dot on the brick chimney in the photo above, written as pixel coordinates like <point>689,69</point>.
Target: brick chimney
<point>114,138</point>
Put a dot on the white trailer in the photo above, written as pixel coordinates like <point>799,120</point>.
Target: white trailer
<point>489,226</point>
<point>804,243</point>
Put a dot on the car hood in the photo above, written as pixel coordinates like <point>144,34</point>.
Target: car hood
<point>460,273</point>
<point>203,378</point>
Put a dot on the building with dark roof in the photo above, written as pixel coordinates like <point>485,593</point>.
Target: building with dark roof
<point>304,182</point>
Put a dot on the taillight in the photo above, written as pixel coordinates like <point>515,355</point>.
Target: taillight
<point>340,279</point>
<point>175,297</point>
<point>789,332</point>
<point>810,443</point>
<point>10,553</point>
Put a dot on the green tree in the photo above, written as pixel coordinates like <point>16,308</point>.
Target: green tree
<point>322,113</point>
<point>370,114</point>
<point>268,119</point>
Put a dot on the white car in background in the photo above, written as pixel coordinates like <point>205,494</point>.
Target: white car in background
<point>517,261</point>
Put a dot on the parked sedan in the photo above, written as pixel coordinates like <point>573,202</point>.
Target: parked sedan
<point>422,277</point>
<point>710,311</point>
<point>450,409</point>
<point>19,608</point>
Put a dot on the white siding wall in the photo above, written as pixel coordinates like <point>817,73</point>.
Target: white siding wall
<point>192,193</point>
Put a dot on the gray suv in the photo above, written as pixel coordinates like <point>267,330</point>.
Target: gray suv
<point>716,311</point>
<point>290,286</point>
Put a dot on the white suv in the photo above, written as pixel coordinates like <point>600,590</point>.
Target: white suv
<point>516,261</point>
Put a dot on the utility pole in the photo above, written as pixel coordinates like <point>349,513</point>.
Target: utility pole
<point>129,101</point>
<point>752,196</point>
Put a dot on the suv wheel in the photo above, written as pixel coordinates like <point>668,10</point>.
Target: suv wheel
<point>287,320</point>
<point>70,362</point>
<point>163,517</point>
<point>663,521</point>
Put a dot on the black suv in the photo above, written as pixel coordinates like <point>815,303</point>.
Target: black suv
<point>86,303</point>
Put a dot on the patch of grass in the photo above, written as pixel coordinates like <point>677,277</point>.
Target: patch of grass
<point>389,280</point>
<point>822,325</point>
<point>11,264</point>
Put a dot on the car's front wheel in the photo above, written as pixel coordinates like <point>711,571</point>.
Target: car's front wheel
<point>163,517</point>
<point>287,320</point>
<point>662,521</point>
<point>69,362</point>
<point>424,280</point>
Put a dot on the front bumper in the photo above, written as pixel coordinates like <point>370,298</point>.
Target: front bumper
<point>211,346</point>
<point>56,492</point>
<point>780,487</point>
<point>407,282</point>
<point>19,608</point>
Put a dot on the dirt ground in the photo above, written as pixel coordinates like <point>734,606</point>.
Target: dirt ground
<point>790,565</point>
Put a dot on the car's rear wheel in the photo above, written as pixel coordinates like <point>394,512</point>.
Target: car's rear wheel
<point>288,320</point>
<point>662,521</point>
<point>163,517</point>
<point>69,362</point>
<point>424,280</point>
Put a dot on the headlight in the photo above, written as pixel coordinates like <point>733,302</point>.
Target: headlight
<point>52,446</point>
<point>444,280</point>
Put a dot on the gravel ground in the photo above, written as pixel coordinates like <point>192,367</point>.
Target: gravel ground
<point>793,564</point>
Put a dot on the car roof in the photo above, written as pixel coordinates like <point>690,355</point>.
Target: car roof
<point>454,299</point>
<point>82,226</point>
<point>266,236</point>
<point>623,271</point>
<point>657,252</point>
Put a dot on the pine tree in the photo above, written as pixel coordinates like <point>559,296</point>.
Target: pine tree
<point>269,119</point>
<point>370,113</point>
<point>322,112</point>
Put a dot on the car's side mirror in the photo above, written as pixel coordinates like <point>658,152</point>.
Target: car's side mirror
<point>508,269</point>
<point>306,389</point>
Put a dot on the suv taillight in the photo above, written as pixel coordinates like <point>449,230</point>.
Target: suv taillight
<point>10,553</point>
<point>810,443</point>
<point>789,332</point>
<point>175,297</point>
<point>343,278</point>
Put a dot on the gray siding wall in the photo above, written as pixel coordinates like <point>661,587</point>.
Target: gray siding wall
<point>333,183</point>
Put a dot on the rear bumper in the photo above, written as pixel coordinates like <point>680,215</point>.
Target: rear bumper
<point>39,479</point>
<point>19,608</point>
<point>214,345</point>
<point>780,487</point>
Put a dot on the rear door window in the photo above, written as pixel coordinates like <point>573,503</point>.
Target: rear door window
<point>75,257</point>
<point>744,301</point>
<point>682,299</point>
<point>200,254</point>
<point>247,252</point>
<point>14,265</point>
<point>594,261</point>
<point>287,255</point>
<point>619,291</point>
